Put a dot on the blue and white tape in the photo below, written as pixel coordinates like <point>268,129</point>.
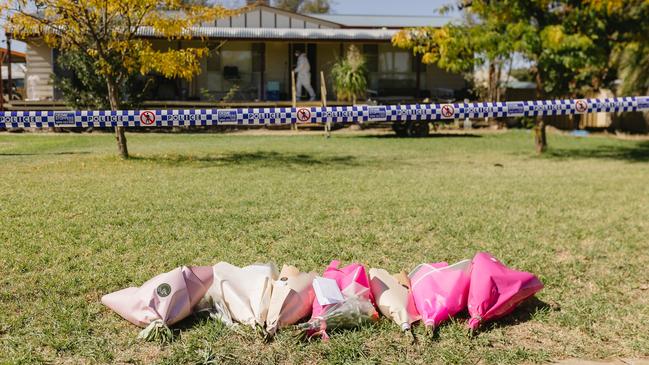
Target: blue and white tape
<point>344,114</point>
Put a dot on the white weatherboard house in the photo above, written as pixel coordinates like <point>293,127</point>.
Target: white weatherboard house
<point>258,56</point>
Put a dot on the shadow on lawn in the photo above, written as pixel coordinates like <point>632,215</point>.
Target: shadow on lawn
<point>262,158</point>
<point>432,135</point>
<point>45,153</point>
<point>635,153</point>
<point>523,313</point>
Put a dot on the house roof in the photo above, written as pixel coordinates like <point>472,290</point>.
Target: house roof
<point>268,23</point>
<point>284,33</point>
<point>384,21</point>
<point>292,13</point>
<point>15,56</point>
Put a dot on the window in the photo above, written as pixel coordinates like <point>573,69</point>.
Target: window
<point>392,60</point>
<point>258,54</point>
<point>371,53</point>
<point>395,62</point>
<point>232,64</point>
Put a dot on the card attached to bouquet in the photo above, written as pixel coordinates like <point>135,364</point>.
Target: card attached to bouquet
<point>327,291</point>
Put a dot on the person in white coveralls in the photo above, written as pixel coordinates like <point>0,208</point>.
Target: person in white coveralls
<point>303,71</point>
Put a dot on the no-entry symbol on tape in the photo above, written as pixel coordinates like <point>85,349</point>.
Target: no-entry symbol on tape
<point>448,111</point>
<point>147,117</point>
<point>303,114</point>
<point>581,106</point>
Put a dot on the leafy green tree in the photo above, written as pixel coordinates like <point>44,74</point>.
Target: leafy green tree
<point>316,7</point>
<point>82,87</point>
<point>304,6</point>
<point>631,56</point>
<point>634,69</point>
<point>108,33</point>
<point>462,48</point>
<point>569,43</point>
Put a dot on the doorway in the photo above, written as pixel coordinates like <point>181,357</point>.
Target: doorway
<point>312,56</point>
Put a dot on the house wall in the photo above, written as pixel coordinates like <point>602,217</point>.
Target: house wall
<point>263,17</point>
<point>277,65</point>
<point>437,80</point>
<point>328,54</point>
<point>38,78</point>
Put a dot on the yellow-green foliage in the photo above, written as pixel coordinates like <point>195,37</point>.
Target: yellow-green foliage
<point>107,31</point>
<point>445,46</point>
<point>350,75</point>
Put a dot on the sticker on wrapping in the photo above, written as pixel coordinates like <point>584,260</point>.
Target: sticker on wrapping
<point>303,114</point>
<point>377,113</point>
<point>228,117</point>
<point>448,111</point>
<point>147,117</point>
<point>163,290</point>
<point>64,119</point>
<point>581,106</point>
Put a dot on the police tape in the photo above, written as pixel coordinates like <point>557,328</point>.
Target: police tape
<point>342,114</point>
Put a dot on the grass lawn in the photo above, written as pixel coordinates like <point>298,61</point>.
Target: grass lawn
<point>78,223</point>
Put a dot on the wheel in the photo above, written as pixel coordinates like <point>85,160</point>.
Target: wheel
<point>418,129</point>
<point>400,128</point>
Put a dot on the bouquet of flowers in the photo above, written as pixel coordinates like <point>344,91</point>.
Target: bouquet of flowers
<point>440,291</point>
<point>291,299</point>
<point>497,290</point>
<point>343,299</point>
<point>162,301</point>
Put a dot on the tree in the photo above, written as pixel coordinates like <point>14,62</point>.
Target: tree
<point>568,43</point>
<point>462,48</point>
<point>83,88</point>
<point>316,7</point>
<point>634,68</point>
<point>304,6</point>
<point>350,76</point>
<point>108,33</point>
<point>631,56</point>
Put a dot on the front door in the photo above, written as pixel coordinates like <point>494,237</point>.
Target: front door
<point>311,54</point>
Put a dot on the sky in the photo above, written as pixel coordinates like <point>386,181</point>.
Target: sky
<point>388,7</point>
<point>370,7</point>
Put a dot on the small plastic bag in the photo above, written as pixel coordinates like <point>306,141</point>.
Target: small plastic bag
<point>440,291</point>
<point>497,290</point>
<point>161,301</point>
<point>352,313</point>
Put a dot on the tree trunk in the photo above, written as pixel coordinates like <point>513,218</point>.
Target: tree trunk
<point>540,139</point>
<point>491,83</point>
<point>120,136</point>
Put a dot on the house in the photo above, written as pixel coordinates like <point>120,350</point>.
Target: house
<point>253,55</point>
<point>15,62</point>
